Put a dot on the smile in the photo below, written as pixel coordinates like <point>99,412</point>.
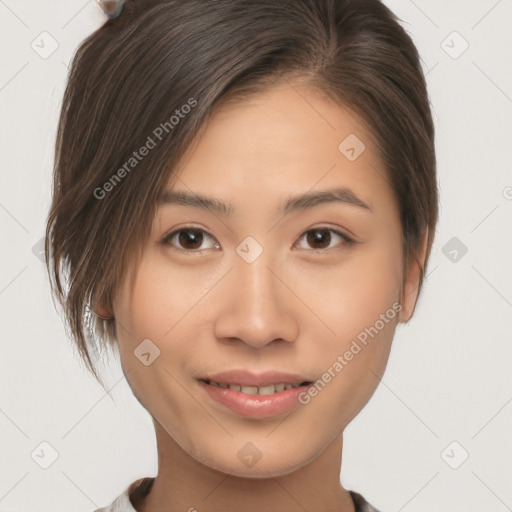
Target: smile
<point>269,389</point>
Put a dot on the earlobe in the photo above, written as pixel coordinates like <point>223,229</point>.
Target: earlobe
<point>411,283</point>
<point>102,312</point>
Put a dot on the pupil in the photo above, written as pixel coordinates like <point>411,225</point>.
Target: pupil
<point>190,235</point>
<point>317,235</point>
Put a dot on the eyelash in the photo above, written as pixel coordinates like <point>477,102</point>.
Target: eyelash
<point>167,239</point>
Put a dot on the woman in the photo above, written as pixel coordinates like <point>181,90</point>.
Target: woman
<point>244,204</point>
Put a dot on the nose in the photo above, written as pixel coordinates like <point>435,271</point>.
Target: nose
<point>255,305</point>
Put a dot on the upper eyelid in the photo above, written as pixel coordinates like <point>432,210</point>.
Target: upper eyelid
<point>173,233</point>
<point>347,238</point>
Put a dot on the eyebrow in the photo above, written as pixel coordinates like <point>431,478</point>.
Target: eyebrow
<point>294,203</point>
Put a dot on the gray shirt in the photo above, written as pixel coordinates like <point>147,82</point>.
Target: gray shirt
<point>141,488</point>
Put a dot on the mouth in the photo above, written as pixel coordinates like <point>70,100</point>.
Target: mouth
<point>255,396</point>
<point>269,389</point>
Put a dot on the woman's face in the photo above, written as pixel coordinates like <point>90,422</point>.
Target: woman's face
<point>311,290</point>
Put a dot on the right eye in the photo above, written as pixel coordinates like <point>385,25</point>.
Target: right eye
<point>188,240</point>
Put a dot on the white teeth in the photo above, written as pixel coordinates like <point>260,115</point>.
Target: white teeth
<point>255,390</point>
<point>250,390</point>
<point>267,390</point>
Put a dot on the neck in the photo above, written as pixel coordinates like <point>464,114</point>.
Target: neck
<point>183,483</point>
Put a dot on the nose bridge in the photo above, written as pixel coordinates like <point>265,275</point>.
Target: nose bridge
<point>257,308</point>
<point>257,286</point>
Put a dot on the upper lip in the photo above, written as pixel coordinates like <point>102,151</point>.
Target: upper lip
<point>246,378</point>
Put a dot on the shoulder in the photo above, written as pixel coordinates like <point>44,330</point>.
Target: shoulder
<point>120,504</point>
<point>361,504</point>
<point>125,501</point>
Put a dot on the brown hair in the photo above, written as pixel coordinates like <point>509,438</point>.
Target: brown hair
<point>164,65</point>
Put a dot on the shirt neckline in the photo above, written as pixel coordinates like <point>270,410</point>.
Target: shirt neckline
<point>141,488</point>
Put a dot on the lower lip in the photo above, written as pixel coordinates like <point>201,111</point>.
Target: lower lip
<point>255,406</point>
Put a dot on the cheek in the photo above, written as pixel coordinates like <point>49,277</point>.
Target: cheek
<point>359,304</point>
<point>156,307</point>
<point>169,305</point>
<point>160,296</point>
<point>354,360</point>
<point>351,296</point>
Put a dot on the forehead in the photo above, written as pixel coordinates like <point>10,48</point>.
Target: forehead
<point>275,143</point>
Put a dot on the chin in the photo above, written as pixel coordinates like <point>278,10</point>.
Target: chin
<point>246,460</point>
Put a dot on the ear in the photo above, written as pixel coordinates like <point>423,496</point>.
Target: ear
<point>100,310</point>
<point>410,286</point>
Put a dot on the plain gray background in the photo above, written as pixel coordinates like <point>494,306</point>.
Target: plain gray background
<point>447,392</point>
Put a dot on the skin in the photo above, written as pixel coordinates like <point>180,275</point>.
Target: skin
<point>292,309</point>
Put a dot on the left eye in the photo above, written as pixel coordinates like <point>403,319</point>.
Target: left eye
<point>323,237</point>
<point>189,240</point>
